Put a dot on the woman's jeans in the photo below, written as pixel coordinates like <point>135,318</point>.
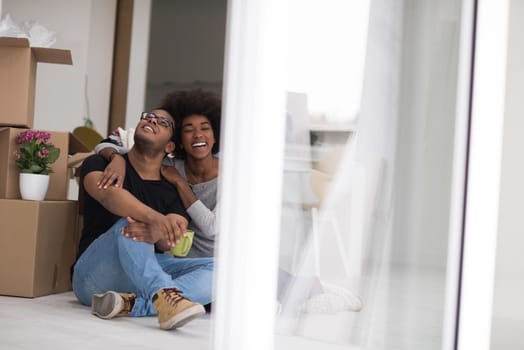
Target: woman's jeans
<point>117,263</point>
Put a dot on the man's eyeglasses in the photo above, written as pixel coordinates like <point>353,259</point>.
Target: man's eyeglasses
<point>162,121</point>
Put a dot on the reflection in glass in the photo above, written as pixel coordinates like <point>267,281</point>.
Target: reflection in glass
<point>368,172</point>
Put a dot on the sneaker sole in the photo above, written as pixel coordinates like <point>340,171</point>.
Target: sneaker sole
<point>106,305</point>
<point>183,317</point>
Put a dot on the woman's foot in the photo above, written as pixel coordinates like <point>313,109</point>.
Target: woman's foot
<point>332,300</point>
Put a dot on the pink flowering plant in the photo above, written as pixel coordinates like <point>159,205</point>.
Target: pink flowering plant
<point>35,153</point>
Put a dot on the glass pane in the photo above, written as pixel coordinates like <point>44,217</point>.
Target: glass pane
<point>367,183</point>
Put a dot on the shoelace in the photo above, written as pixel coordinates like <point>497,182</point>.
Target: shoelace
<point>129,302</point>
<point>173,295</point>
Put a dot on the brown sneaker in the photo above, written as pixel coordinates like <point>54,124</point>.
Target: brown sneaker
<point>112,304</point>
<point>174,310</point>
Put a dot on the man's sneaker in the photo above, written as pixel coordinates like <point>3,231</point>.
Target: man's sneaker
<point>174,310</point>
<point>112,304</point>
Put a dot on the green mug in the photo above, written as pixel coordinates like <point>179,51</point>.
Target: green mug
<point>183,247</point>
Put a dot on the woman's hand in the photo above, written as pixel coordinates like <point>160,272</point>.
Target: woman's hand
<point>171,174</point>
<point>184,189</point>
<point>114,173</point>
<point>139,231</point>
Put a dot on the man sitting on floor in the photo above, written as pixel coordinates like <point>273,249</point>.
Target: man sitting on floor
<point>121,267</point>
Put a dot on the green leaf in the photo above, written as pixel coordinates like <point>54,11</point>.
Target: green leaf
<point>53,155</point>
<point>36,169</point>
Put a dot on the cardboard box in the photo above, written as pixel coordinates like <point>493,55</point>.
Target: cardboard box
<point>59,179</point>
<point>18,76</point>
<point>38,245</point>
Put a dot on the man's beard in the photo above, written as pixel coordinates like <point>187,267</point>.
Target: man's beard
<point>145,146</point>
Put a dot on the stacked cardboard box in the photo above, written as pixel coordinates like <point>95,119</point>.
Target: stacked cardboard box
<point>38,239</point>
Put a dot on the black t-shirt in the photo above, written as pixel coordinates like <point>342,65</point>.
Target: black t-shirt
<point>157,194</point>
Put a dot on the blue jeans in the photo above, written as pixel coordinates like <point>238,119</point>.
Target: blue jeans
<point>115,262</point>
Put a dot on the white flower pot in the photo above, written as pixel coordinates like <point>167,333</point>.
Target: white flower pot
<point>33,186</point>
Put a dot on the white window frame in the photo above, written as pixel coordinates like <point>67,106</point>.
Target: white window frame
<point>459,171</point>
<point>483,179</point>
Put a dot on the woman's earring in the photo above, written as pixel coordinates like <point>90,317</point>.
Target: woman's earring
<point>171,155</point>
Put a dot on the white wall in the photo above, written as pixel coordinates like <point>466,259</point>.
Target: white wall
<point>86,27</point>
<point>100,61</point>
<point>508,309</point>
<point>136,84</point>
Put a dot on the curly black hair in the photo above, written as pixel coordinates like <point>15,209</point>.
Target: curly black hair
<point>183,104</point>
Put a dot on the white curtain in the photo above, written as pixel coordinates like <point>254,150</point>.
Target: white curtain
<point>347,240</point>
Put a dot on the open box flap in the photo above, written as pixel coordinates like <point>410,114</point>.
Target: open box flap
<point>46,55</point>
<point>42,54</point>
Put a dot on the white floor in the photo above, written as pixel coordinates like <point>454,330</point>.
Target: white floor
<point>402,312</point>
<point>59,322</point>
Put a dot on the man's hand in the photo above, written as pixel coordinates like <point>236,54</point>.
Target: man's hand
<point>164,230</point>
<point>180,222</point>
